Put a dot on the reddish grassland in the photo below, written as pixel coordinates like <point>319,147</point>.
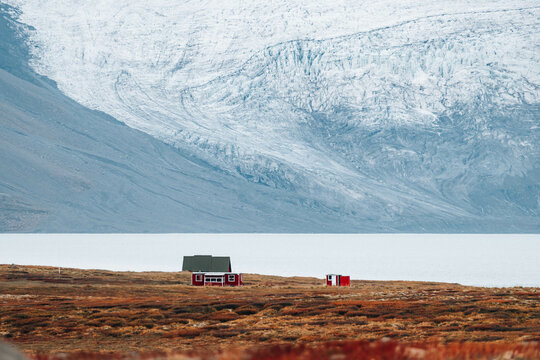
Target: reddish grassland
<point>94,314</point>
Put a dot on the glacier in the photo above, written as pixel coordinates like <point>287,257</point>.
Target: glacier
<point>378,116</point>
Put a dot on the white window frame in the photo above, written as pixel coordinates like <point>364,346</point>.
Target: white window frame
<point>232,278</point>
<point>198,277</point>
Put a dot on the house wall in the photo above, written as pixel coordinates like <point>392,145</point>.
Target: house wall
<point>219,280</point>
<point>234,280</point>
<point>195,281</point>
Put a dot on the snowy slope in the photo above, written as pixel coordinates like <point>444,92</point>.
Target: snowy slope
<point>393,115</point>
<point>65,168</point>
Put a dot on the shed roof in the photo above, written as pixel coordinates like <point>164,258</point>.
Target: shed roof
<point>207,263</point>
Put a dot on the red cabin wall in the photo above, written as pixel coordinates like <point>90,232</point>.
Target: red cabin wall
<point>194,281</point>
<point>341,280</point>
<point>229,283</point>
<point>236,282</point>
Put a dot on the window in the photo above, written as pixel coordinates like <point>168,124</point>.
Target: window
<point>198,277</point>
<point>231,278</point>
<point>329,277</point>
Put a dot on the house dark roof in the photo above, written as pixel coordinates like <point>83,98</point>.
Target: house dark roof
<point>207,263</point>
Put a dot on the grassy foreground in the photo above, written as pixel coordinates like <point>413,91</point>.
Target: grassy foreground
<point>94,314</point>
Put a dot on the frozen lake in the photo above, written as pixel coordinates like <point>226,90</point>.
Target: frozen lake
<point>481,260</point>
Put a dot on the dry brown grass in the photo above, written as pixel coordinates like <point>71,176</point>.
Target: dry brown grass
<point>343,350</point>
<point>82,312</point>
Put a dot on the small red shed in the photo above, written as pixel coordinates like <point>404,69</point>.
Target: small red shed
<point>338,280</point>
<point>216,279</point>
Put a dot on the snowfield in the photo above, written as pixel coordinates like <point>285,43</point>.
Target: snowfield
<point>382,111</point>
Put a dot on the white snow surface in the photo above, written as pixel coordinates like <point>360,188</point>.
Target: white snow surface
<point>391,106</point>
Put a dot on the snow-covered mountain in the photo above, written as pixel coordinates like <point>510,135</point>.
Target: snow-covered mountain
<point>376,116</point>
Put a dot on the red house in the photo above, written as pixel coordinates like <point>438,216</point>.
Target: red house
<point>338,280</point>
<point>216,279</point>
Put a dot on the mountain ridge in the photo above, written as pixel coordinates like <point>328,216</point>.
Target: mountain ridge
<point>432,126</point>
